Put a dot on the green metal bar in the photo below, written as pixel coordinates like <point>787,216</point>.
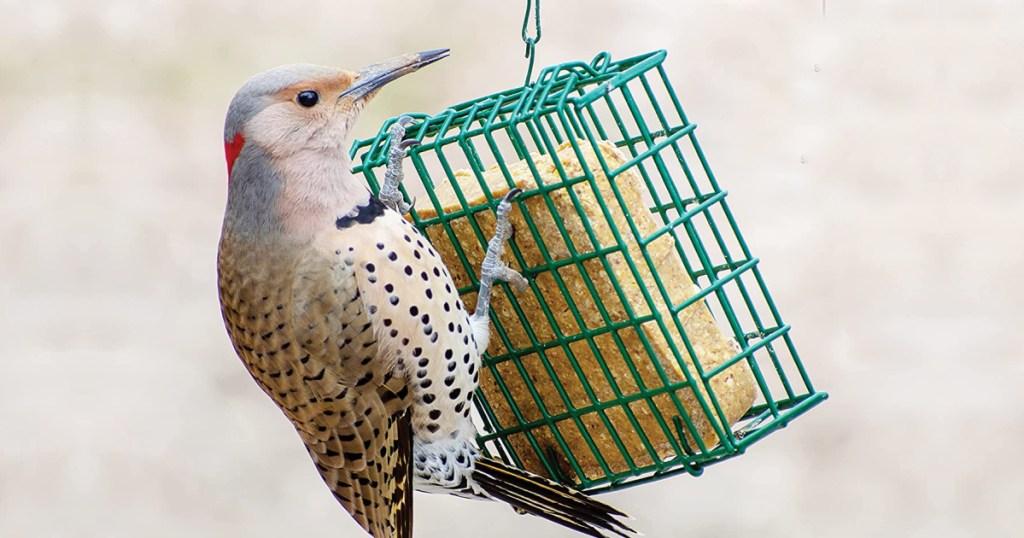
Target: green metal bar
<point>622,78</point>
<point>682,219</point>
<point>598,406</point>
<point>669,140</point>
<point>722,297</point>
<point>653,305</point>
<point>635,274</point>
<point>747,352</point>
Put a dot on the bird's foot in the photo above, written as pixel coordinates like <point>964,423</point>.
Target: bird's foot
<point>493,269</point>
<point>393,175</point>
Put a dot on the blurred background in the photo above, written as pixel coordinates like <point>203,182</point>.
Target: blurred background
<point>872,151</point>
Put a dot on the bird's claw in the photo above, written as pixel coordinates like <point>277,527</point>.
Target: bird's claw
<point>493,269</point>
<point>503,232</point>
<point>393,199</point>
<point>503,229</point>
<point>393,175</point>
<point>503,273</point>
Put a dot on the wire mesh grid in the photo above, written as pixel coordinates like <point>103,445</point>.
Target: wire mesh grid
<point>596,376</point>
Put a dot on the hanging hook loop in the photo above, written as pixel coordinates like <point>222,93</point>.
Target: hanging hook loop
<point>531,42</point>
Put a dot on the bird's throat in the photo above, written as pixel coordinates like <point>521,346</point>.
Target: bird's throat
<point>315,192</point>
<point>289,199</point>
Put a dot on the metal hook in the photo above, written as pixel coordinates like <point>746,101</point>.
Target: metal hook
<point>531,42</point>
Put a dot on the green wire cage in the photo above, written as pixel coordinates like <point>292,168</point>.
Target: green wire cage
<point>647,344</point>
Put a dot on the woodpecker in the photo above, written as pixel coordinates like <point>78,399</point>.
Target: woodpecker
<point>347,318</point>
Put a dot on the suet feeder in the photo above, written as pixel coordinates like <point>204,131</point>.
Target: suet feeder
<point>647,343</point>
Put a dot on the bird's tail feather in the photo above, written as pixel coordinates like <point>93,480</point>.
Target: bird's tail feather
<point>529,493</point>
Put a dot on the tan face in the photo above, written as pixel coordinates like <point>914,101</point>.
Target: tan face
<point>308,116</point>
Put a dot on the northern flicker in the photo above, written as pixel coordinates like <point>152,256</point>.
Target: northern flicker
<point>345,315</point>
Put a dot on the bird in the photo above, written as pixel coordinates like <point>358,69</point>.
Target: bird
<point>346,317</point>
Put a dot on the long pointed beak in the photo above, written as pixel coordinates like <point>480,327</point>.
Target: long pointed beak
<point>379,74</point>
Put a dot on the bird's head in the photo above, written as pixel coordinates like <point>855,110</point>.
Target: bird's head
<point>303,107</point>
<point>285,140</point>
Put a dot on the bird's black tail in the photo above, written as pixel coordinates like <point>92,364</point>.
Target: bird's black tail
<point>531,494</point>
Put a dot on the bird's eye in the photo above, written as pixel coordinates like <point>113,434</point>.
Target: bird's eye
<point>308,98</point>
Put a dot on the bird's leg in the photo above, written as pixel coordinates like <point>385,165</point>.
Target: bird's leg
<point>393,174</point>
<point>492,267</point>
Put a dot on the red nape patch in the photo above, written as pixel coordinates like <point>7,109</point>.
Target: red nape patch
<point>232,149</point>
